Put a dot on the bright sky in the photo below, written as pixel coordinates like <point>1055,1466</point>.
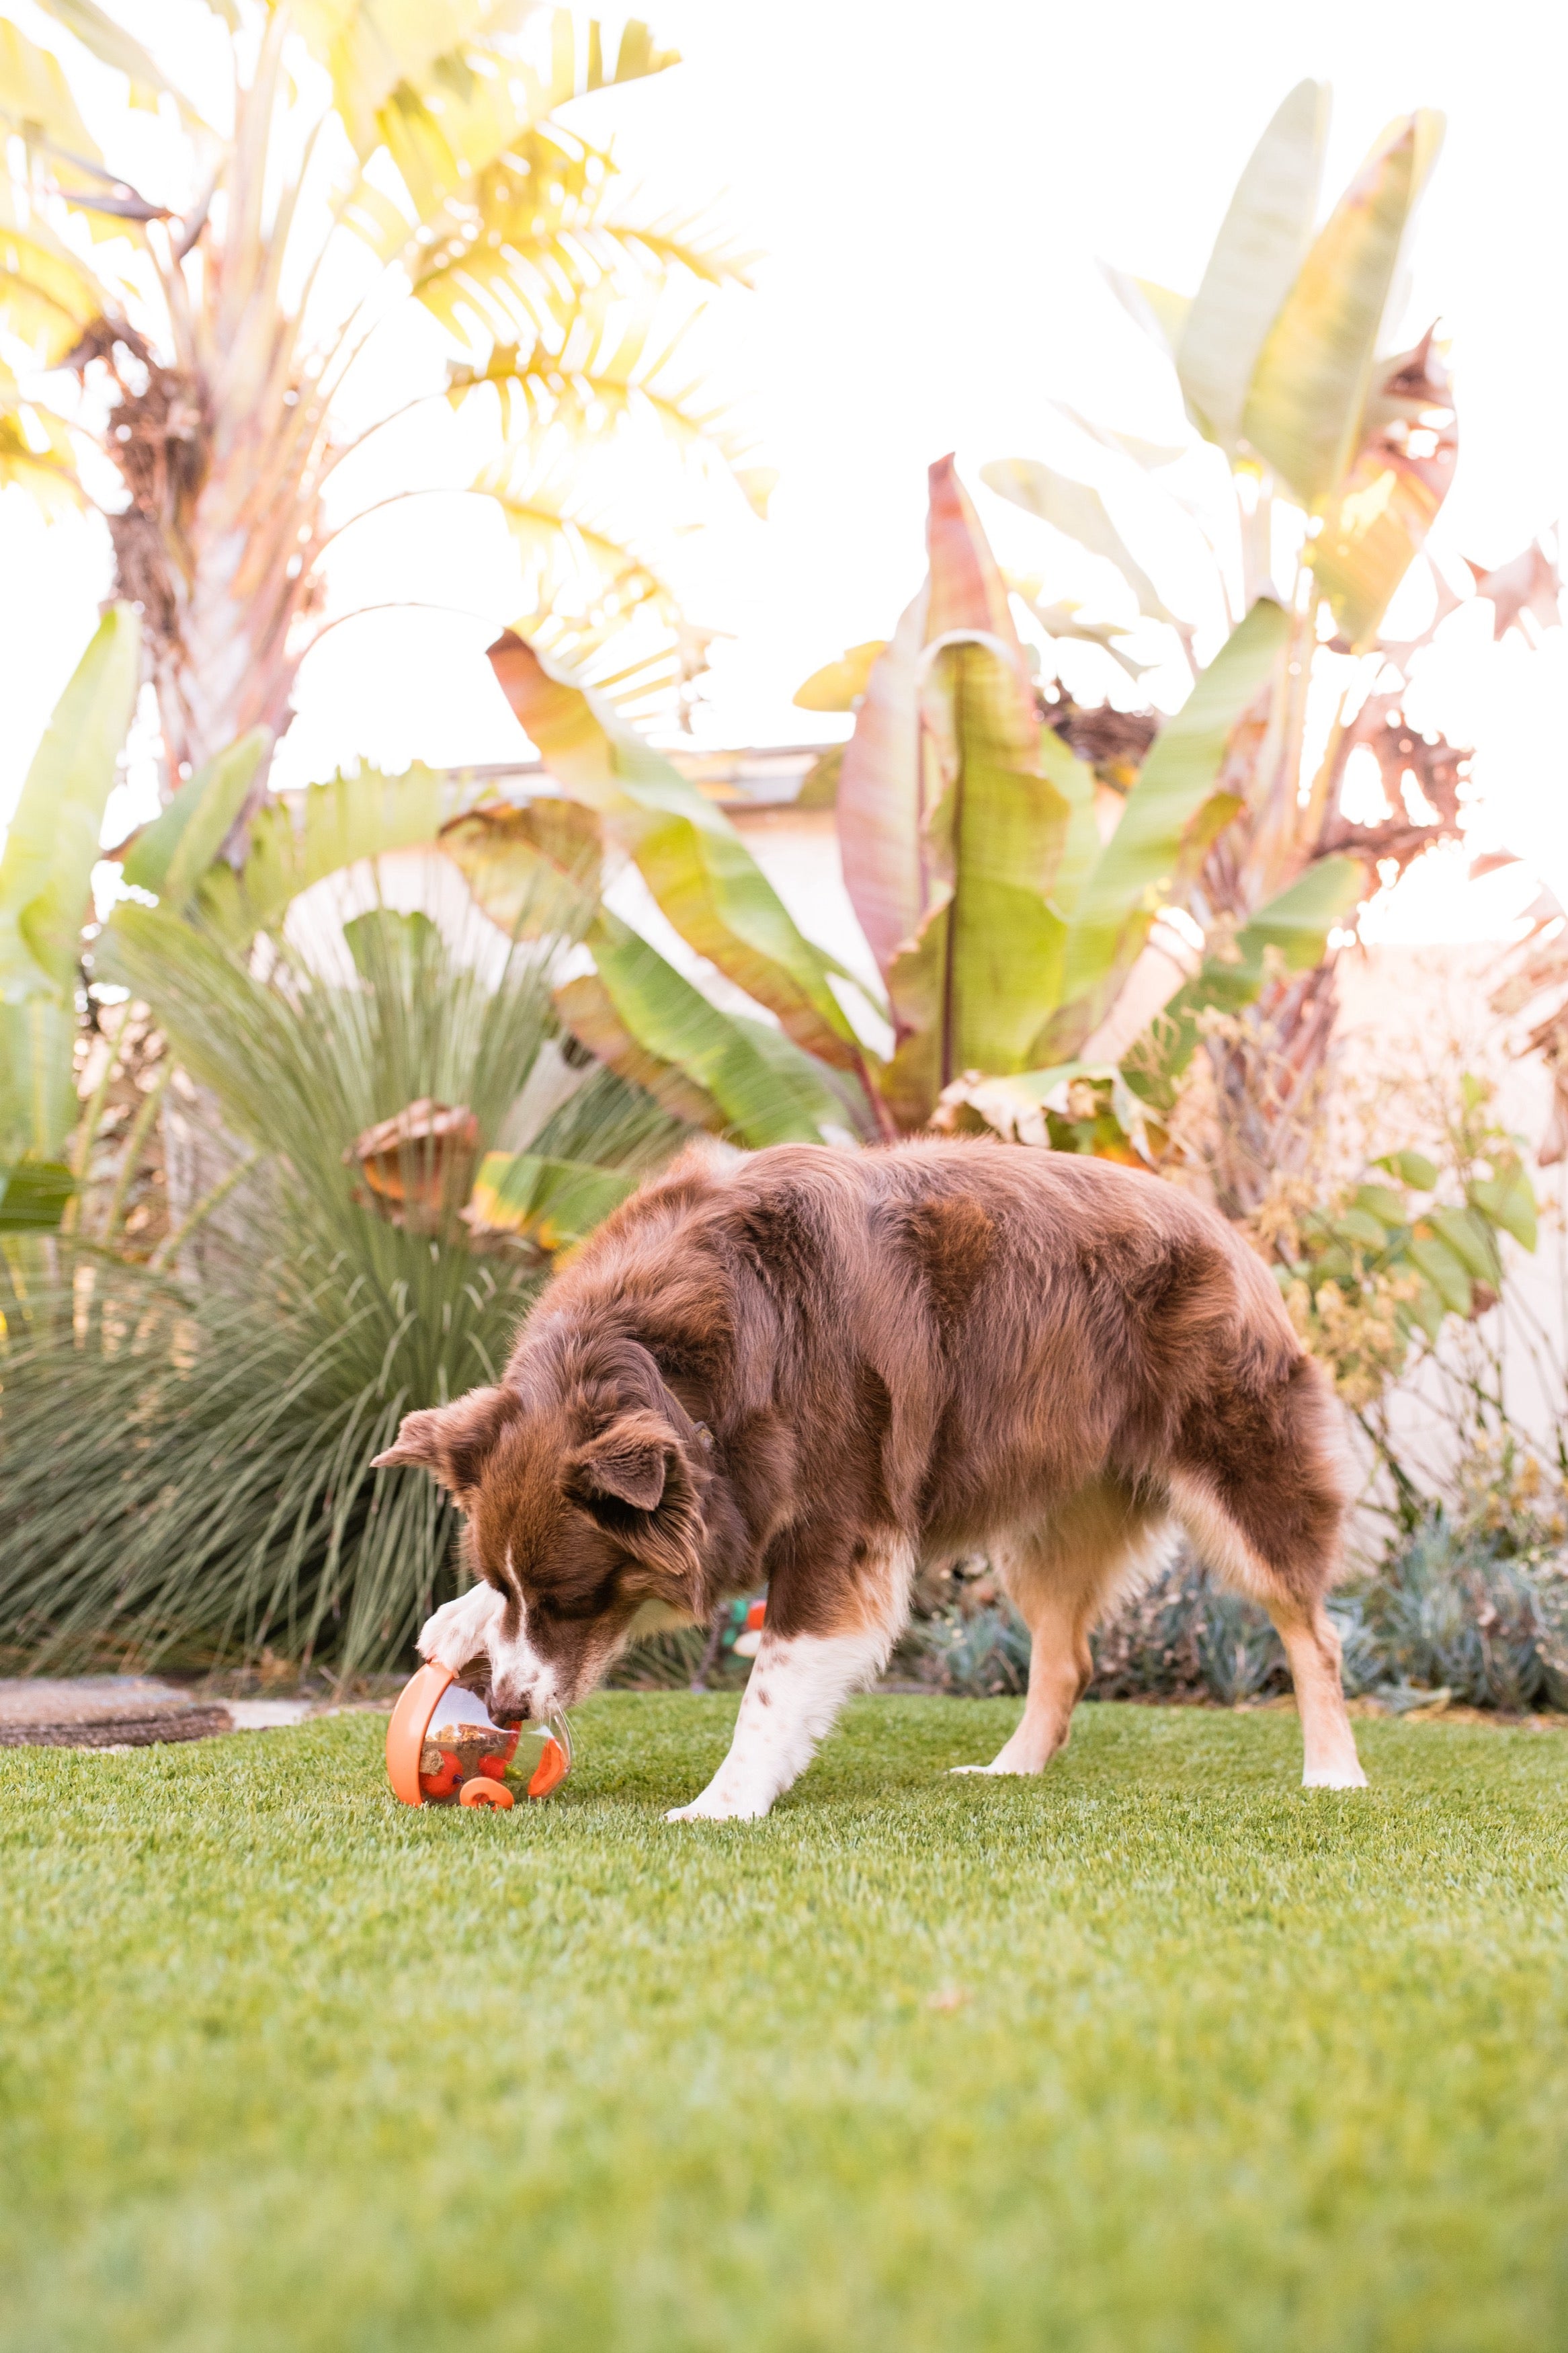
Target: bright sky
<point>929,188</point>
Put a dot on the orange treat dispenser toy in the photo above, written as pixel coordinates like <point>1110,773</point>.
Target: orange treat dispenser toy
<point>442,1747</point>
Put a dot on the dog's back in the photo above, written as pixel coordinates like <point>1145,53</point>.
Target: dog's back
<point>954,1335</point>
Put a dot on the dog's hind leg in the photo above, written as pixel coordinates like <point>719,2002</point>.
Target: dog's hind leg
<point>795,1689</point>
<point>1264,1503</point>
<point>1060,1578</point>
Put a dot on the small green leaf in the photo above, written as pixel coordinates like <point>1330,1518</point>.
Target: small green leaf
<point>1379,1202</point>
<point>1426,1310</point>
<point>1470,1237</point>
<point>1507,1199</point>
<point>1432,1257</point>
<point>1413,1166</point>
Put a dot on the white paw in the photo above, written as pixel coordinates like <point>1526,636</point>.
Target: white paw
<point>457,1631</point>
<point>999,1766</point>
<point>1335,1776</point>
<point>706,1808</point>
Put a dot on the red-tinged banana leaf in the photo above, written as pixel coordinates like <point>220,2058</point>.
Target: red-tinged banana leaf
<point>967,991</point>
<point>879,800</point>
<point>551,1202</point>
<point>768,1090</point>
<point>695,864</point>
<point>967,589</point>
<point>1171,817</point>
<point>879,795</point>
<point>1309,392</point>
<point>886,789</point>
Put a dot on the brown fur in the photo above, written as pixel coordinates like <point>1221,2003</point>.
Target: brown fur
<point>786,1368</point>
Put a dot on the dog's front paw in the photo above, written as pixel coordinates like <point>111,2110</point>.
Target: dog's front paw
<point>457,1631</point>
<point>709,1807</point>
<point>1334,1776</point>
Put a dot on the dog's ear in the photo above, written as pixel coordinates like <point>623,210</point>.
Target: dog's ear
<point>628,1462</point>
<point>452,1442</point>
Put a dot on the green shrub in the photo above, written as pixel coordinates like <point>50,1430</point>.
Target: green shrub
<point>1455,1609</point>
<point>185,1467</point>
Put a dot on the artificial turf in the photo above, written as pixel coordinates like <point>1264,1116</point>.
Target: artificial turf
<point>1155,2053</point>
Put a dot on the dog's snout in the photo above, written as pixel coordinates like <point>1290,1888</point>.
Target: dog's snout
<point>510,1703</point>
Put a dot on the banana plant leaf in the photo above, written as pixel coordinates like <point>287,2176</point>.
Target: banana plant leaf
<point>1254,262</point>
<point>46,880</point>
<point>1157,310</point>
<point>967,991</point>
<point>553,1203</point>
<point>1171,816</point>
<point>768,1090</point>
<point>968,590</point>
<point>840,685</point>
<point>171,856</point>
<point>1305,404</point>
<point>1074,780</point>
<point>879,800</point>
<point>1295,925</point>
<point>695,864</point>
<point>588,1010</point>
<point>886,789</point>
<point>1378,525</point>
<point>1078,510</point>
<point>535,871</point>
<point>52,847</point>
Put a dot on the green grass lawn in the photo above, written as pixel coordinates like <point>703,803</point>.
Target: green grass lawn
<point>1155,2053</point>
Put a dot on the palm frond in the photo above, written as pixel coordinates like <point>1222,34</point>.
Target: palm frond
<point>575,567</point>
<point>610,365</point>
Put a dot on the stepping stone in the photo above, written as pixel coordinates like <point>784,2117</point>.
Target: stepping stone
<point>102,1712</point>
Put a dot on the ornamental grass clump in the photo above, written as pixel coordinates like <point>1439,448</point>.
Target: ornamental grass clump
<point>185,1463</point>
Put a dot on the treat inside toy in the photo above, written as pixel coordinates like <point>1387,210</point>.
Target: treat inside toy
<point>444,1748</point>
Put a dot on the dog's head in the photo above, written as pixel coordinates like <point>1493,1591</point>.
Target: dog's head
<point>585,1502</point>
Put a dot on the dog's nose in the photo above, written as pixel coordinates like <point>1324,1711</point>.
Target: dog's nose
<point>509,1702</point>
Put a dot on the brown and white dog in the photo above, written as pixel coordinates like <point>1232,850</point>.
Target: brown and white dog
<point>814,1367</point>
